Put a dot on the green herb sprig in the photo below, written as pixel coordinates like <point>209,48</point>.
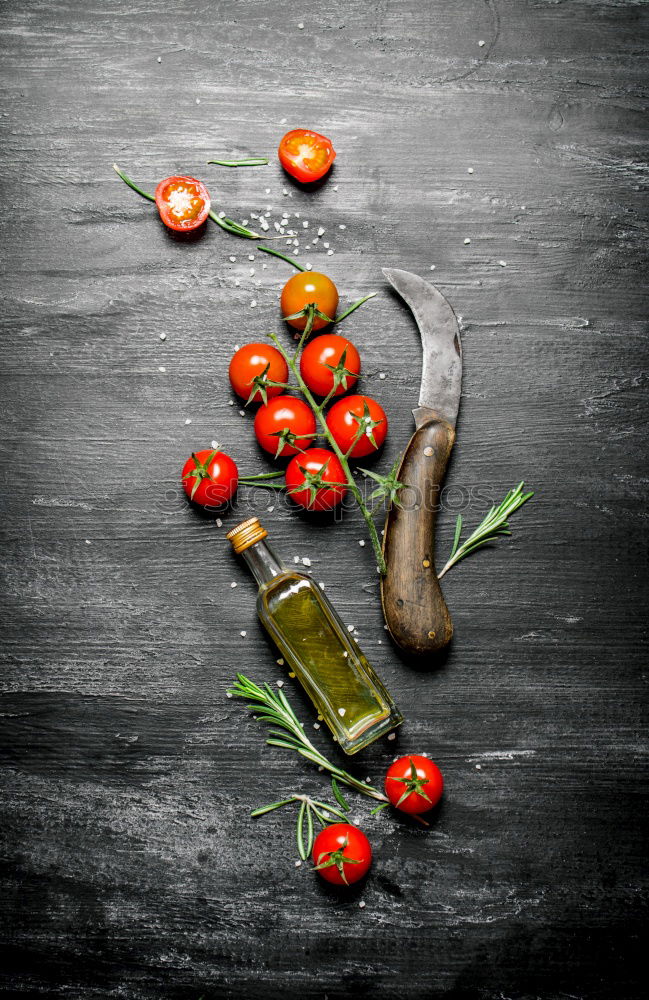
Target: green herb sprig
<point>251,161</point>
<point>310,812</point>
<point>273,708</point>
<point>493,526</point>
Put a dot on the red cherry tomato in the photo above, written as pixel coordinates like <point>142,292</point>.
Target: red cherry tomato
<point>342,854</point>
<point>414,784</point>
<point>183,203</point>
<point>252,366</point>
<point>321,355</point>
<point>307,477</point>
<point>346,417</point>
<point>305,288</point>
<point>210,477</point>
<point>280,424</point>
<point>306,155</point>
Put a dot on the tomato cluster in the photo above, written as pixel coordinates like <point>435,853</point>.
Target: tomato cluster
<point>285,426</point>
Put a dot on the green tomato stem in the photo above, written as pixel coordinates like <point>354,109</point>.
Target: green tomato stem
<point>252,161</point>
<point>276,253</point>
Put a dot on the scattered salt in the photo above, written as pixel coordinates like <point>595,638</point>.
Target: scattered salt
<point>253,303</point>
<point>198,100</point>
<point>326,246</point>
<point>282,121</point>
<point>88,542</point>
<point>316,725</point>
<point>163,336</point>
<point>280,662</point>
<point>159,59</point>
<point>267,190</point>
<point>219,522</point>
<point>361,905</point>
<point>361,542</point>
<point>321,231</point>
<point>467,241</point>
<point>342,712</point>
<point>298,864</point>
<point>300,26</point>
<point>280,684</point>
<point>296,559</point>
<point>228,694</point>
<point>188,421</point>
<point>305,224</point>
<point>233,258</point>
<point>161,368</point>
<point>381,375</point>
<point>321,585</point>
<point>503,263</point>
<point>481,42</point>
<point>243,633</point>
<point>306,561</point>
<point>335,187</point>
<point>432,267</point>
<point>329,253</point>
<point>350,628</point>
<point>242,413</point>
<point>342,227</point>
<point>392,736</point>
<point>251,271</point>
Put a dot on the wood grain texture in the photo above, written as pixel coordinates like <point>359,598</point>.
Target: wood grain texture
<point>129,866</point>
<point>413,604</point>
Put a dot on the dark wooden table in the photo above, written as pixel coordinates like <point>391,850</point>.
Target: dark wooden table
<point>130,866</point>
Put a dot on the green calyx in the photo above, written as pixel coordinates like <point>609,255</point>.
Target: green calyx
<point>260,385</point>
<point>315,481</point>
<point>365,426</point>
<point>389,486</point>
<point>340,373</point>
<point>201,471</point>
<point>338,859</point>
<point>414,785</point>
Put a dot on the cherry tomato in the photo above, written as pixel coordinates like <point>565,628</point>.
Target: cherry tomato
<point>306,155</point>
<point>347,415</point>
<point>327,352</point>
<point>280,424</point>
<point>252,366</point>
<point>307,477</point>
<point>308,287</point>
<point>342,854</point>
<point>183,203</point>
<point>210,477</point>
<point>414,784</point>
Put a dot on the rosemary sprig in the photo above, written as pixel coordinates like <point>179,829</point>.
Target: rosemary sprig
<point>251,161</point>
<point>273,708</point>
<point>309,810</point>
<point>494,525</point>
<point>263,479</point>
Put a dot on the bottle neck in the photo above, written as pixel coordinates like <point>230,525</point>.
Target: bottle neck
<point>262,562</point>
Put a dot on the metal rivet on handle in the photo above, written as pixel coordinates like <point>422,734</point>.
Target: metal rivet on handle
<point>431,634</point>
<point>428,452</point>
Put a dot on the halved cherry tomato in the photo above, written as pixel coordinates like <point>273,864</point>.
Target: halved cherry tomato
<point>414,784</point>
<point>306,155</point>
<point>327,359</point>
<point>308,477</point>
<point>306,288</point>
<point>183,203</point>
<point>252,366</point>
<point>342,854</point>
<point>210,477</point>
<point>285,426</point>
<point>354,413</point>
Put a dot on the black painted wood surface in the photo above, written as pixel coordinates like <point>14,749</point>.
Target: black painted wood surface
<point>130,867</point>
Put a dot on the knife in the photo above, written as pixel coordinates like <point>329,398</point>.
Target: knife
<point>413,604</point>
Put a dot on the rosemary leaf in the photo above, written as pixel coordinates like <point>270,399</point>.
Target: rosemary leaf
<point>493,526</point>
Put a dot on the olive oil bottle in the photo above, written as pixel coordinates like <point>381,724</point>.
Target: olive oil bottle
<point>316,645</point>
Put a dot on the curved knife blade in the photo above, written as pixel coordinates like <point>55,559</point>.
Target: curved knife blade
<point>441,375</point>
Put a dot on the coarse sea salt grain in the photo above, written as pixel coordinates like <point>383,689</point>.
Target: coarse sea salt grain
<point>242,413</point>
<point>253,303</point>
<point>329,253</point>
<point>251,271</point>
<point>305,224</point>
<point>350,628</point>
<point>432,267</point>
<point>188,421</point>
<point>159,59</point>
<point>342,712</point>
<point>219,522</point>
<point>503,263</point>
<point>392,736</point>
<point>228,694</point>
<point>470,170</point>
<point>163,336</point>
<point>308,267</point>
<point>233,258</point>
<point>161,368</point>
<point>361,542</point>
<point>361,905</point>
<point>280,662</point>
<point>325,245</point>
<point>243,633</point>
<point>251,256</point>
<point>306,561</point>
<point>233,585</point>
<point>467,241</point>
<point>316,725</point>
<point>342,227</point>
<point>381,375</point>
<point>280,684</point>
<point>267,190</point>
<point>296,559</point>
<point>481,42</point>
<point>321,231</point>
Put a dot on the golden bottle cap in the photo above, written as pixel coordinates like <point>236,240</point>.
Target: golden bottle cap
<point>243,535</point>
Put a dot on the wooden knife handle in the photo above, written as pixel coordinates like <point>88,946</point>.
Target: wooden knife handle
<point>413,604</point>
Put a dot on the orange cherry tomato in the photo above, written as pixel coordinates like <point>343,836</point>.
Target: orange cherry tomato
<point>324,353</point>
<point>306,155</point>
<point>247,369</point>
<point>183,203</point>
<point>346,417</point>
<point>305,288</point>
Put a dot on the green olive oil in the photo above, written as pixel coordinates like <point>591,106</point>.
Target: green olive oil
<point>316,646</point>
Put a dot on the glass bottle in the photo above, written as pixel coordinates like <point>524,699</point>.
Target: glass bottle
<point>316,645</point>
